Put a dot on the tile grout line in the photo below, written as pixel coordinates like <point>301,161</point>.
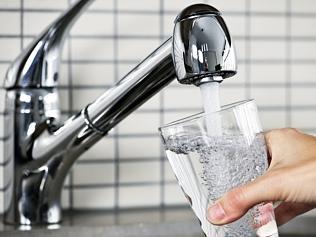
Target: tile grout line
<point>161,13</point>
<point>288,68</point>
<point>116,129</point>
<point>294,14</point>
<point>161,112</point>
<point>248,50</point>
<point>70,104</point>
<point>22,24</point>
<point>155,37</point>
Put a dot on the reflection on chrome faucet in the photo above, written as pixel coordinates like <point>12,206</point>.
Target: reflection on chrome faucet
<point>39,150</point>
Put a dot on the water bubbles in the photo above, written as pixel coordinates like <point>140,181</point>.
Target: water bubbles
<point>217,164</point>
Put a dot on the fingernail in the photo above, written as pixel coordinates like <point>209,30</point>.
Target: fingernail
<point>216,213</point>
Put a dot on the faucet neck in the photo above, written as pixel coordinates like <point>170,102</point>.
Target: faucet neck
<point>38,65</point>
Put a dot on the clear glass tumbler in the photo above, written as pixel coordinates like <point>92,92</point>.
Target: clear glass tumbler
<point>212,153</point>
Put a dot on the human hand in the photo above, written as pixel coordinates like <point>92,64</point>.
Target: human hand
<point>291,179</point>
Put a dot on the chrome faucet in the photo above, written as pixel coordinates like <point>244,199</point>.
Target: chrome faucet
<point>39,150</point>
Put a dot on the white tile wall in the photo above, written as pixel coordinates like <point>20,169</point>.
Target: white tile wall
<point>301,27</point>
<point>277,26</point>
<point>14,26</point>
<point>268,6</point>
<point>303,6</point>
<point>142,172</point>
<point>32,21</point>
<point>92,49</point>
<point>47,4</point>
<point>139,196</point>
<point>7,4</point>
<point>138,147</point>
<point>275,42</point>
<point>268,50</point>
<point>268,73</point>
<point>303,73</point>
<point>9,49</point>
<point>94,24</point>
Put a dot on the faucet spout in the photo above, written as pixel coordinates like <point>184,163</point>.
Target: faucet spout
<point>39,152</point>
<point>95,120</point>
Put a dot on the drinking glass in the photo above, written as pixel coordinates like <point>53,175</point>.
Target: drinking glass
<point>212,153</point>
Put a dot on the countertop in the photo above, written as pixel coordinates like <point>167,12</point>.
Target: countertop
<point>139,223</point>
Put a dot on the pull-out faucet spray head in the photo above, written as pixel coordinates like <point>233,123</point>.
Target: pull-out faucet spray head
<point>202,47</point>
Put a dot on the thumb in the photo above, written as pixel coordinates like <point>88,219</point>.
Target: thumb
<point>238,201</point>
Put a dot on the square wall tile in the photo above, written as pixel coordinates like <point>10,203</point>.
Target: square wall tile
<point>268,73</point>
<point>139,147</point>
<point>231,95</point>
<point>63,74</point>
<point>4,4</point>
<point>174,195</point>
<point>92,49</point>
<point>139,196</point>
<point>92,74</point>
<point>83,97</point>
<point>94,198</point>
<point>173,116</point>
<point>186,96</point>
<point>303,73</point>
<point>303,26</point>
<point>177,5</point>
<point>303,96</point>
<point>269,97</point>
<point>66,53</point>
<point>14,27</point>
<point>140,123</point>
<point>65,199</point>
<point>94,24</point>
<point>169,175</point>
<point>103,149</point>
<point>136,49</point>
<point>240,47</point>
<point>131,172</point>
<point>303,6</point>
<point>259,50</point>
<point>268,26</point>
<point>35,22</point>
<point>303,119</point>
<point>149,26</point>
<point>228,5</point>
<point>272,119</point>
<point>168,23</point>
<point>27,40</point>
<point>64,99</point>
<point>102,5</point>
<point>236,25</point>
<point>138,5</point>
<point>47,4</point>
<point>9,48</point>
<point>303,50</point>
<point>265,6</point>
<point>98,174</point>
